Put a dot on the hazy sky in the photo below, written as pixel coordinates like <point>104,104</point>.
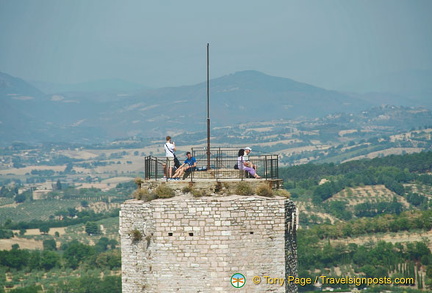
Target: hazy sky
<point>328,43</point>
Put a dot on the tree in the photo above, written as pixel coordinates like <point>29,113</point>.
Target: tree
<point>44,229</point>
<point>62,214</point>
<point>84,204</point>
<point>34,260</point>
<point>368,270</point>
<point>72,212</point>
<point>20,198</point>
<point>76,252</point>
<point>92,228</point>
<point>5,234</point>
<point>49,244</point>
<point>102,244</point>
<point>429,272</point>
<point>68,168</point>
<point>49,260</point>
<point>110,259</point>
<point>58,185</point>
<point>113,243</point>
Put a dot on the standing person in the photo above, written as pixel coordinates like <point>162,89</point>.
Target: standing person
<point>243,165</point>
<point>170,149</point>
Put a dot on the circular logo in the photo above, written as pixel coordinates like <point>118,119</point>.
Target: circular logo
<point>238,280</point>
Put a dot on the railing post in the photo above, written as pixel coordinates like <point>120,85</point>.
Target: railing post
<point>145,168</point>
<point>271,166</point>
<point>156,169</point>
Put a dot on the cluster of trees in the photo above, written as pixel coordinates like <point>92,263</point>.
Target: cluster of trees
<point>406,221</point>
<point>369,209</point>
<point>8,191</point>
<point>12,192</point>
<point>103,254</point>
<point>6,234</point>
<point>72,255</point>
<point>392,172</point>
<point>42,173</point>
<point>340,209</point>
<point>417,200</point>
<point>83,284</point>
<point>413,163</point>
<point>89,284</point>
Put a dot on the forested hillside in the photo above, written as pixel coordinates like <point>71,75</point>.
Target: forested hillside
<point>365,218</point>
<point>399,174</point>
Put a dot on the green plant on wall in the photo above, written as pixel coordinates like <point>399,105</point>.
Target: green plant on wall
<point>136,235</point>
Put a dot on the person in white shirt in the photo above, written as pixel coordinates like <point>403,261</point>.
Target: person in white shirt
<point>247,151</point>
<point>170,149</point>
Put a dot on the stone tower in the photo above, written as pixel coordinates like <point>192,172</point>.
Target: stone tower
<point>186,244</point>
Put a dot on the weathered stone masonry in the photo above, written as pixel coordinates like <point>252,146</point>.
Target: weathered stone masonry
<point>196,245</point>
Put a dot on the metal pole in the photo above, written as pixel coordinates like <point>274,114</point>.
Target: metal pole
<point>208,110</point>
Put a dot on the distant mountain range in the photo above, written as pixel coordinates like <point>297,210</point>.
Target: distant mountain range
<point>103,111</point>
<point>104,85</point>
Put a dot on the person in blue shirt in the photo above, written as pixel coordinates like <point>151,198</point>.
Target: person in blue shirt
<point>188,166</point>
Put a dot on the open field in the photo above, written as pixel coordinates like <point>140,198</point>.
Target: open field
<point>6,244</point>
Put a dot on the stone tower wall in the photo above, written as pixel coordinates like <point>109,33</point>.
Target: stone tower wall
<point>196,245</point>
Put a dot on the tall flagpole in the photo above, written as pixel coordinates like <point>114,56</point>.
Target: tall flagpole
<point>208,110</point>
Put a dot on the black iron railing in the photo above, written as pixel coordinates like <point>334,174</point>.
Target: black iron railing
<point>221,165</point>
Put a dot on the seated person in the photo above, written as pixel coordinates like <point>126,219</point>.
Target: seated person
<point>247,166</point>
<point>247,151</point>
<point>187,167</point>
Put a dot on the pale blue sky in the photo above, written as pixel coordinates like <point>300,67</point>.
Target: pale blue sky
<point>329,43</point>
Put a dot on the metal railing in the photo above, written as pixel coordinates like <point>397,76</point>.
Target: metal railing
<point>222,161</point>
